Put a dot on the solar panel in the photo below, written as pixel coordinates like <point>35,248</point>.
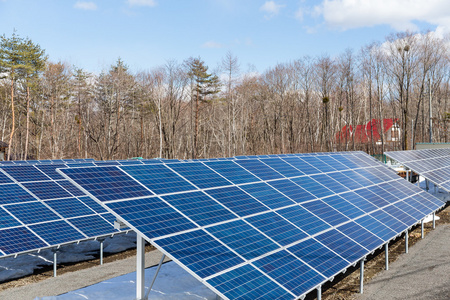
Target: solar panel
<point>39,208</point>
<point>432,164</point>
<point>271,227</point>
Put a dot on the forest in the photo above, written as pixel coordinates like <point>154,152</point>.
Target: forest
<point>184,110</point>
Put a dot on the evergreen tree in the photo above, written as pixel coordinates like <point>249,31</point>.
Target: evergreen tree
<point>205,84</point>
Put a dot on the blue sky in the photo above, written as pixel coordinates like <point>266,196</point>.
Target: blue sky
<point>92,34</point>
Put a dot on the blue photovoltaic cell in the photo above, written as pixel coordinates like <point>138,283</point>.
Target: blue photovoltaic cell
<point>277,228</point>
<point>106,163</point>
<point>200,175</point>
<point>376,227</point>
<point>92,204</point>
<point>346,181</point>
<point>345,161</point>
<point>389,221</point>
<point>369,176</point>
<point>56,232</point>
<point>50,170</point>
<point>93,225</point>
<point>282,167</point>
<point>372,197</point>
<point>6,220</point>
<point>19,239</point>
<point>325,212</point>
<point>382,193</point>
<point>31,212</point>
<point>360,235</point>
<point>400,215</point>
<point>418,205</point>
<point>267,195</point>
<point>312,186</point>
<point>329,160</point>
<point>107,183</point>
<point>159,178</point>
<point>302,165</point>
<point>358,201</point>
<point>342,245</point>
<point>25,173</point>
<point>303,219</point>
<point>4,178</point>
<point>200,208</point>
<point>344,207</point>
<point>317,255</point>
<point>152,216</point>
<point>70,207</point>
<point>330,183</point>
<point>46,190</point>
<point>317,163</point>
<point>231,171</point>
<point>237,200</point>
<point>200,252</point>
<point>292,190</point>
<point>13,193</point>
<point>245,283</point>
<point>357,178</point>
<point>286,269</point>
<point>68,186</point>
<point>260,169</point>
<point>243,239</point>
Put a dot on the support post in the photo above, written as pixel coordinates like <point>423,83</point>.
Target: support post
<point>101,250</point>
<point>361,277</point>
<point>407,175</point>
<point>154,277</point>
<point>319,293</point>
<point>386,254</point>
<point>434,220</point>
<point>427,184</point>
<point>406,241</point>
<point>422,228</point>
<point>140,268</point>
<point>55,256</point>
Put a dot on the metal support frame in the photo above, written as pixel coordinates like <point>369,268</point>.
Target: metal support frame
<point>406,241</point>
<point>154,277</point>
<point>422,231</point>
<point>140,267</point>
<point>361,276</point>
<point>427,184</point>
<point>319,293</point>
<point>55,260</point>
<point>434,219</point>
<point>407,175</point>
<point>386,254</point>
<point>101,240</point>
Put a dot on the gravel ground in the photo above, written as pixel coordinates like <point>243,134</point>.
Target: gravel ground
<point>423,273</point>
<point>75,280</point>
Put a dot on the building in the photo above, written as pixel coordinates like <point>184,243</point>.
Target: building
<point>3,147</point>
<point>363,133</point>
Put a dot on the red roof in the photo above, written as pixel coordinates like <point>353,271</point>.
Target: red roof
<point>363,132</point>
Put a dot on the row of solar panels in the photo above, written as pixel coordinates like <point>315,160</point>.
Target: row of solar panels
<point>433,164</point>
<point>261,228</point>
<point>41,209</point>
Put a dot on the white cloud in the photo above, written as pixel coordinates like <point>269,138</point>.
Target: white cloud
<point>271,8</point>
<point>299,14</point>
<point>85,5</point>
<point>212,44</point>
<point>150,3</point>
<point>399,14</point>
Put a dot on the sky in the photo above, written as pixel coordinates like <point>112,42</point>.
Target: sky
<point>145,34</point>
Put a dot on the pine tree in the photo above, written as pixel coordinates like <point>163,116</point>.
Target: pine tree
<point>205,84</point>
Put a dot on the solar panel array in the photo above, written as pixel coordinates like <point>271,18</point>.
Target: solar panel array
<point>39,209</point>
<point>433,164</point>
<point>252,228</point>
